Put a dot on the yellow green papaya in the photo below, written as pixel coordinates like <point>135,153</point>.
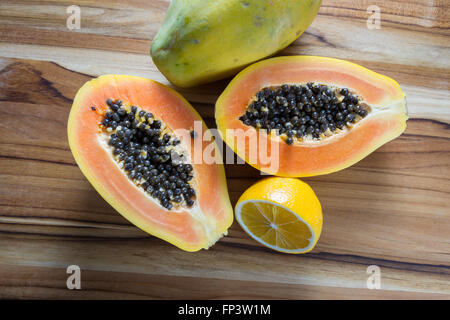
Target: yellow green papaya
<point>202,41</point>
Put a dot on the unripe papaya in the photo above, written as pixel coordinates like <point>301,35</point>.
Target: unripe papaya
<point>202,41</point>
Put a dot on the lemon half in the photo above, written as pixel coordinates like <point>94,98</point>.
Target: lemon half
<point>283,214</point>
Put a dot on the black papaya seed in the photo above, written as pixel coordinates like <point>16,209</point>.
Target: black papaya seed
<point>140,146</point>
<point>308,109</point>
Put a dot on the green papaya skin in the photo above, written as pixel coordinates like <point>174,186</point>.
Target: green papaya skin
<point>202,40</point>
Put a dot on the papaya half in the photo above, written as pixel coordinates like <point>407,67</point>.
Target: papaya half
<point>302,116</point>
<point>201,41</point>
<point>133,139</point>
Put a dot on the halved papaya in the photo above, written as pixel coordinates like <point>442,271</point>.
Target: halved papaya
<point>303,115</point>
<point>132,138</point>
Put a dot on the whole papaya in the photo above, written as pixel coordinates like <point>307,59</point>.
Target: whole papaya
<point>202,41</point>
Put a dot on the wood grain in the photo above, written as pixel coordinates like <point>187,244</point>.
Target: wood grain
<point>391,209</point>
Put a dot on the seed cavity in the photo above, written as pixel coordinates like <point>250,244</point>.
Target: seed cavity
<point>149,153</point>
<point>304,111</point>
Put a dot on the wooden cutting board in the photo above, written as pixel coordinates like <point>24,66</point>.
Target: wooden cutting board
<point>390,210</point>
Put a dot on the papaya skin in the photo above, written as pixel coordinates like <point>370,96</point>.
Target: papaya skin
<point>188,230</point>
<point>199,42</point>
<point>385,122</point>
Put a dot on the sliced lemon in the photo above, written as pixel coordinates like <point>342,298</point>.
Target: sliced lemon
<point>283,214</point>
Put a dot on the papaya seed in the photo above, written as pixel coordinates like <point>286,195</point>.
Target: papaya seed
<point>309,110</point>
<point>142,148</point>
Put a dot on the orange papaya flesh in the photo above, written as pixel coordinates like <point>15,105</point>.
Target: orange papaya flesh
<point>190,228</point>
<point>308,155</point>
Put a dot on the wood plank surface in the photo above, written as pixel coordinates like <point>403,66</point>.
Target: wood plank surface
<point>391,209</point>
